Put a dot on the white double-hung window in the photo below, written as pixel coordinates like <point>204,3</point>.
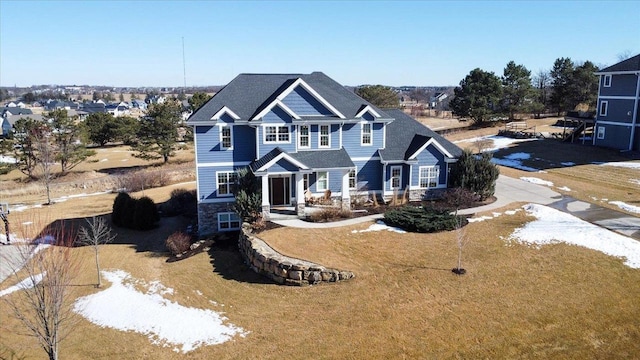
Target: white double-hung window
<point>303,137</point>
<point>226,182</point>
<point>276,134</point>
<point>322,181</point>
<point>429,176</point>
<point>396,177</point>
<point>365,134</point>
<point>325,136</point>
<point>226,137</point>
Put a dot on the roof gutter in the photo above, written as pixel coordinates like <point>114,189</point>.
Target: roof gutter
<point>635,113</point>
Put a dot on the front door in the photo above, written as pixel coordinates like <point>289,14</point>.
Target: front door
<point>279,190</point>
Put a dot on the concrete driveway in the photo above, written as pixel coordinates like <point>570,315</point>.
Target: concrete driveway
<point>509,190</point>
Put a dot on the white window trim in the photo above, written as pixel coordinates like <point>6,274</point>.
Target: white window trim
<point>318,181</point>
<point>355,179</point>
<point>391,168</point>
<point>264,134</point>
<point>230,228</point>
<point>362,133</point>
<point>604,82</point>
<point>431,169</point>
<point>320,137</point>
<point>228,184</point>
<point>606,108</point>
<point>221,127</point>
<point>300,136</point>
<point>601,132</point>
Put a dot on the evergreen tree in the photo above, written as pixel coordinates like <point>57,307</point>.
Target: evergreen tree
<point>517,89</point>
<point>157,137</point>
<point>561,80</point>
<point>198,99</point>
<point>67,137</point>
<point>477,97</point>
<point>475,173</point>
<point>379,95</point>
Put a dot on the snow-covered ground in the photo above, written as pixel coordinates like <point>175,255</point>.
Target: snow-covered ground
<point>494,215</point>
<point>23,207</point>
<point>499,142</point>
<point>536,181</point>
<point>7,159</point>
<point>626,207</point>
<point>635,181</point>
<point>553,226</point>
<point>380,226</point>
<point>623,164</point>
<point>166,323</point>
<point>27,283</point>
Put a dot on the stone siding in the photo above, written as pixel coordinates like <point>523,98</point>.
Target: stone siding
<point>208,216</point>
<point>284,270</point>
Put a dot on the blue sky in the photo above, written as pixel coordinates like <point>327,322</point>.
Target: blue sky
<point>139,43</point>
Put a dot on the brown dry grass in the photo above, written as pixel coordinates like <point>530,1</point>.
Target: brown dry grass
<point>558,301</point>
<point>516,301</point>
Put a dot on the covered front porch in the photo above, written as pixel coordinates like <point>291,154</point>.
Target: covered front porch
<point>288,180</point>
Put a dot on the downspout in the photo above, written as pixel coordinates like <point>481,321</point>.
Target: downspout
<point>635,113</point>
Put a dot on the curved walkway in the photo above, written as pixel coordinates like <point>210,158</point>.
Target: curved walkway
<point>508,190</point>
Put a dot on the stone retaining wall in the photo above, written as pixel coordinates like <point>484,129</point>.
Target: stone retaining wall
<point>284,270</point>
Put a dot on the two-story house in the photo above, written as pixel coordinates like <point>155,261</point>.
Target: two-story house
<point>617,124</point>
<point>305,134</point>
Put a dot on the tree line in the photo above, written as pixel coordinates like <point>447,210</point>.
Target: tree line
<point>482,95</point>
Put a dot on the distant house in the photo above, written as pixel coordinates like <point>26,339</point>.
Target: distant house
<point>139,104</point>
<point>51,105</point>
<point>306,136</point>
<point>8,120</point>
<point>118,110</point>
<point>94,107</point>
<point>6,111</point>
<point>156,99</point>
<point>617,119</point>
<point>19,104</point>
<point>437,99</point>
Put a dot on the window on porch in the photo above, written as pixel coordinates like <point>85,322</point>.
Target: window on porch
<point>396,177</point>
<point>352,179</point>
<point>322,182</point>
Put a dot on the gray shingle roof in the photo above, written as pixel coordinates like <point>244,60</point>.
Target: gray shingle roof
<point>324,159</point>
<point>406,135</point>
<point>318,159</point>
<point>17,111</point>
<point>248,94</point>
<point>631,64</point>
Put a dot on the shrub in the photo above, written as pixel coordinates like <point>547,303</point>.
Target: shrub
<point>145,215</point>
<point>459,198</point>
<point>178,242</point>
<point>475,173</point>
<point>329,214</point>
<point>119,210</point>
<point>182,202</point>
<point>248,204</point>
<point>142,179</point>
<point>422,220</point>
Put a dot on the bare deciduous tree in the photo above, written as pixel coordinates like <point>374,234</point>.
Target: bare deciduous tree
<point>42,302</point>
<point>46,154</point>
<point>96,232</point>
<point>461,241</point>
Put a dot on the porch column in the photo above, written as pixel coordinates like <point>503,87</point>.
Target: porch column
<point>346,197</point>
<point>266,208</point>
<point>300,199</point>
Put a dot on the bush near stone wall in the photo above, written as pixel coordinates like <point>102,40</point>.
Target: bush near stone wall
<point>284,270</point>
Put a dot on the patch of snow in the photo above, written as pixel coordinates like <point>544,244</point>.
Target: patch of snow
<point>512,212</point>
<point>553,226</point>
<point>166,323</point>
<point>27,283</point>
<point>380,226</point>
<point>27,223</point>
<point>536,181</point>
<point>103,160</point>
<point>623,164</point>
<point>199,292</point>
<point>518,156</point>
<point>516,164</point>
<point>567,163</point>
<point>564,188</point>
<point>7,159</point>
<point>635,181</point>
<point>626,207</point>
<point>479,219</point>
<point>499,142</point>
